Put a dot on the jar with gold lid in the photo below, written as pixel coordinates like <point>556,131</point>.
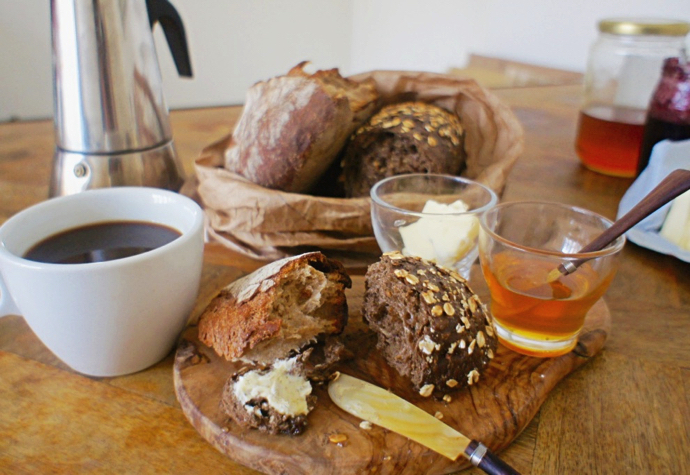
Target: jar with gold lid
<point>622,72</point>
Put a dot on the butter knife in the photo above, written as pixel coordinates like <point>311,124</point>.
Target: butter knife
<point>385,409</point>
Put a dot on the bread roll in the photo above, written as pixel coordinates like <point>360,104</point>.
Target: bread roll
<point>278,399</point>
<point>409,137</point>
<point>279,320</point>
<point>293,127</point>
<point>278,309</point>
<point>431,327</point>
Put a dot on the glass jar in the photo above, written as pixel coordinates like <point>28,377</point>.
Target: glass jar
<point>668,116</point>
<point>622,72</point>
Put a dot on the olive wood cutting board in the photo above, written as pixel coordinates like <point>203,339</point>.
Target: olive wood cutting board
<point>494,411</point>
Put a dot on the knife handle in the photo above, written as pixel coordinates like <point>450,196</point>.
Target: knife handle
<point>480,456</point>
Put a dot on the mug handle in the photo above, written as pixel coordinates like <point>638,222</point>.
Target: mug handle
<point>7,305</point>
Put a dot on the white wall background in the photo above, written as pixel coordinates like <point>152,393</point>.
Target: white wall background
<point>235,43</point>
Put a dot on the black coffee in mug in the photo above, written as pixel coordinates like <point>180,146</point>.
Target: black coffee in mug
<point>100,242</point>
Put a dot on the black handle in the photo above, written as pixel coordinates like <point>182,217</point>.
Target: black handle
<point>675,183</point>
<point>482,457</point>
<point>162,11</point>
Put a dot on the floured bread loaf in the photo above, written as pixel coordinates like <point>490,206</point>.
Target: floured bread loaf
<point>293,127</point>
<point>431,327</point>
<point>408,137</point>
<point>278,309</point>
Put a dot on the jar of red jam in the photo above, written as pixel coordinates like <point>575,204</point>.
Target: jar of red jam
<point>668,116</point>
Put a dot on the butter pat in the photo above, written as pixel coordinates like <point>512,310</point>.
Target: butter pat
<point>444,240</point>
<point>676,226</point>
<point>285,392</point>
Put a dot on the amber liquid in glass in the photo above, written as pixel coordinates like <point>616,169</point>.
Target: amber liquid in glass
<point>608,139</point>
<point>526,306</point>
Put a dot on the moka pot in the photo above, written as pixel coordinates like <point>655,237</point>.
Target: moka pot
<point>111,121</point>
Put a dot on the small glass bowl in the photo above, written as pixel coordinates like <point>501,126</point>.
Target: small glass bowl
<point>520,244</point>
<point>419,214</point>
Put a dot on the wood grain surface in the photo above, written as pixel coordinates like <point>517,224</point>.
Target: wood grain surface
<point>495,411</point>
<point>626,411</point>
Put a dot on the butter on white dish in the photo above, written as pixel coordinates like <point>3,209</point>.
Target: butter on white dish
<point>676,227</point>
<point>443,239</point>
<point>285,392</point>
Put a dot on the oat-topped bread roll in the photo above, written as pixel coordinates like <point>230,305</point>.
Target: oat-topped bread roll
<point>431,327</point>
<point>293,127</point>
<point>408,137</point>
<point>278,309</point>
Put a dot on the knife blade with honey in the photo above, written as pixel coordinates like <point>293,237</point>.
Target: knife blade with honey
<point>385,409</point>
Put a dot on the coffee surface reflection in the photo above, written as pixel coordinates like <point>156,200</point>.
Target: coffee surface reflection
<point>101,242</point>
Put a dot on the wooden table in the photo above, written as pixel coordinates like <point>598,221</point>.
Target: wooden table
<point>627,411</point>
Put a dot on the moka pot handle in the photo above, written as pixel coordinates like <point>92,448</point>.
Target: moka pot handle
<point>162,11</point>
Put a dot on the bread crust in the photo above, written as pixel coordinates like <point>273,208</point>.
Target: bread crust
<point>431,327</point>
<point>293,127</point>
<point>245,321</point>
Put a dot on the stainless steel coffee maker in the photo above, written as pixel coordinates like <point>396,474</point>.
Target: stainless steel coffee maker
<point>111,120</point>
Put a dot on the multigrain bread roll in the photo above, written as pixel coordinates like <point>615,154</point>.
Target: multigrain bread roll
<point>408,137</point>
<point>278,309</point>
<point>294,126</point>
<point>431,327</point>
<point>277,399</point>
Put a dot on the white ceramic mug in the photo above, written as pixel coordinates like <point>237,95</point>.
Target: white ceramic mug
<point>113,317</point>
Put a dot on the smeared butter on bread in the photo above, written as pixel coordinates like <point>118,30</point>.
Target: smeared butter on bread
<point>284,391</point>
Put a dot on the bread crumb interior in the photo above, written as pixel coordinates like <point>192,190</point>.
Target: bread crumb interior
<point>299,303</point>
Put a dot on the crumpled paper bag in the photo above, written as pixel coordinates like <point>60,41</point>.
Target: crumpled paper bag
<point>271,224</point>
<point>666,156</point>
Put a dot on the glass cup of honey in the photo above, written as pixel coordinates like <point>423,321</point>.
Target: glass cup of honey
<point>520,244</point>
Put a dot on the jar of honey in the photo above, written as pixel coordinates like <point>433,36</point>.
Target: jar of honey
<point>622,72</point>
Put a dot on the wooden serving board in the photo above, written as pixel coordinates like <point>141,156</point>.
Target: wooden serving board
<point>493,411</point>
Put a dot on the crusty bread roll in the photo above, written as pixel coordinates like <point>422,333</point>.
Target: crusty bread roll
<point>278,309</point>
<point>293,127</point>
<point>431,327</point>
<point>408,137</point>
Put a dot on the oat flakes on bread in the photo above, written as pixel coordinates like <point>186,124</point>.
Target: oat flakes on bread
<point>431,327</point>
<point>277,310</point>
<point>408,137</point>
<point>293,127</point>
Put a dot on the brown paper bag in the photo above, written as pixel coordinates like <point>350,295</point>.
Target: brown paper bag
<point>270,224</point>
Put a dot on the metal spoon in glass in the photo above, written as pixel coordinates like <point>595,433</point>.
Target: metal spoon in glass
<point>677,182</point>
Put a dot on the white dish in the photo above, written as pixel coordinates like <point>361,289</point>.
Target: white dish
<point>655,242</point>
<point>666,157</point>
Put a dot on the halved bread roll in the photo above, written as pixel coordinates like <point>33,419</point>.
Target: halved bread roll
<point>281,320</point>
<point>278,309</point>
